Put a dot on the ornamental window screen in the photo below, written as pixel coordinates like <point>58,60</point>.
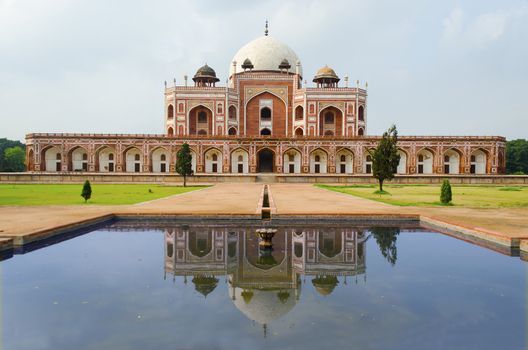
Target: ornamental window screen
<point>329,118</point>
<point>202,117</point>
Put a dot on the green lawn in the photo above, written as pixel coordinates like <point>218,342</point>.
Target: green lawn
<point>47,194</point>
<point>478,196</point>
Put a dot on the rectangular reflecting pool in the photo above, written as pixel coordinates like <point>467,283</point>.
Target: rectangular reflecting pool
<point>176,285</point>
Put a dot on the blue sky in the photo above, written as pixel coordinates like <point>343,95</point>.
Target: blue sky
<point>433,67</point>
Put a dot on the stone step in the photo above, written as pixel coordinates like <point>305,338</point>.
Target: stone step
<point>266,178</point>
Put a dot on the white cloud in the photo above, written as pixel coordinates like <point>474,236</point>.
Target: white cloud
<point>478,31</point>
<point>453,23</point>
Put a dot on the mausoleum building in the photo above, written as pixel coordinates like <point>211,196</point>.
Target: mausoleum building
<point>267,119</point>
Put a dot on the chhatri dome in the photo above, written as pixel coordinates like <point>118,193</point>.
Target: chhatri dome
<point>265,54</point>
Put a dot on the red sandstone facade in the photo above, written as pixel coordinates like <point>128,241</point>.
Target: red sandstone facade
<point>265,120</point>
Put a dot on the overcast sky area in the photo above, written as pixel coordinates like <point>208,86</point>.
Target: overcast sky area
<point>98,66</point>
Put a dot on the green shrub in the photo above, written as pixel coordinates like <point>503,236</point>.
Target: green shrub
<point>86,191</point>
<point>445,193</point>
<point>510,189</point>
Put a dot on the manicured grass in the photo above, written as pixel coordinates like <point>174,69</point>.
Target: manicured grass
<point>60,194</point>
<point>482,196</point>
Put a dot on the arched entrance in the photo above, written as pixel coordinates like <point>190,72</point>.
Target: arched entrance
<point>265,161</point>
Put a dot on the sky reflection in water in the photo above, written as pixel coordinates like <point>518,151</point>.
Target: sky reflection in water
<point>197,287</point>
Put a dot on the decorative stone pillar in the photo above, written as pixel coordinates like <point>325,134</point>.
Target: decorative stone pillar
<point>119,161</point>
<point>305,160</point>
<point>64,159</point>
<point>91,157</point>
<point>330,162</point>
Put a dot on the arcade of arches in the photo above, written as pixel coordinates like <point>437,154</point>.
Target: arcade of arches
<point>236,158</point>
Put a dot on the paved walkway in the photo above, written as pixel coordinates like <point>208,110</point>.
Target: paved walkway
<point>243,199</point>
<point>223,199</point>
<point>305,199</point>
<point>301,199</point>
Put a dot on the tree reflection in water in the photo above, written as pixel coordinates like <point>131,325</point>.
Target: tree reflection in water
<point>386,239</point>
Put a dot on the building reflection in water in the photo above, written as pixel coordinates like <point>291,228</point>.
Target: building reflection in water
<point>265,285</point>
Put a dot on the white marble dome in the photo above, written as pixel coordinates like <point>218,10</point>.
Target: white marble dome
<point>266,54</point>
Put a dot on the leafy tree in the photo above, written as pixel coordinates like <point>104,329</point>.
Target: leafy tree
<point>517,157</point>
<point>86,191</point>
<point>386,239</point>
<point>184,162</point>
<point>4,144</point>
<point>14,159</point>
<point>445,193</point>
<point>385,157</point>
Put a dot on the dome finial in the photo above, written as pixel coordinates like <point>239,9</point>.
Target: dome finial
<point>266,29</point>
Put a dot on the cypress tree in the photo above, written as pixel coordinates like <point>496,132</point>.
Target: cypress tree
<point>184,162</point>
<point>445,193</point>
<point>86,191</point>
<point>385,157</point>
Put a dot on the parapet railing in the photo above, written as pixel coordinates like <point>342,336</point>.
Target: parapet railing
<point>257,137</point>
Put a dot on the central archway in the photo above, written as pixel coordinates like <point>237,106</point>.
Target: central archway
<point>265,161</point>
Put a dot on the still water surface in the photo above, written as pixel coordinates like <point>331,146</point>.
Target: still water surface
<point>134,285</point>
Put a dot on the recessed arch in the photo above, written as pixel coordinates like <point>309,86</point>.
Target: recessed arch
<point>78,159</point>
<point>232,131</point>
<point>170,111</point>
<point>292,161</point>
<point>30,160</point>
<point>265,160</point>
<point>133,159</point>
<point>452,161</point>
<point>232,112</point>
<point>239,161</point>
<point>299,132</point>
<point>160,160</point>
<point>425,161</point>
<point>265,114</point>
<point>318,161</point>
<point>265,132</point>
<point>361,113</point>
<point>200,244</point>
<point>331,121</point>
<point>263,102</point>
<point>333,105</point>
<point>269,92</point>
<point>344,161</point>
<point>299,113</point>
<point>479,160</point>
<point>367,161</point>
<point>402,164</point>
<point>170,131</point>
<point>213,160</point>
<point>330,243</point>
<point>200,120</point>
<point>51,158</point>
<point>105,157</point>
